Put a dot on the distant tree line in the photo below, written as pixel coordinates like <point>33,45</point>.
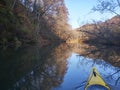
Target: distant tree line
<point>104,32</point>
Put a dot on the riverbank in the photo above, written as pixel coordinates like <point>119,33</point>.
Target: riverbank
<point>20,25</point>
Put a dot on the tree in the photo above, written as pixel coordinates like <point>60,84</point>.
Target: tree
<point>107,6</point>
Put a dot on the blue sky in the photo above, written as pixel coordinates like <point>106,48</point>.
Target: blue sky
<point>80,12</point>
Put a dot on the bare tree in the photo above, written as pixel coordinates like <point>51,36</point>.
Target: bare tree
<point>107,6</point>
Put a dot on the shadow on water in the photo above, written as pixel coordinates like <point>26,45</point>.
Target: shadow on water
<point>32,68</point>
<point>63,67</point>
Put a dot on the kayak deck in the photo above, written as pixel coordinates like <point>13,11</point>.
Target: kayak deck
<point>95,79</point>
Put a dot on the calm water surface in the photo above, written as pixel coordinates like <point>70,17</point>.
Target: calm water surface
<point>78,69</point>
<point>63,67</point>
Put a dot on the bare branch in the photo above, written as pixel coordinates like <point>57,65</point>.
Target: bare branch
<point>118,3</point>
<point>105,5</point>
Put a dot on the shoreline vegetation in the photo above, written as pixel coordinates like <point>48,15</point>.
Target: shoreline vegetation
<point>32,21</point>
<point>106,33</point>
<point>26,22</point>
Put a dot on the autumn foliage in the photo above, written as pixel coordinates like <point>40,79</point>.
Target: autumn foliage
<point>28,21</point>
<point>102,32</point>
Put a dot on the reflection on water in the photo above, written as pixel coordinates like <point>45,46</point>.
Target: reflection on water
<point>96,87</point>
<point>33,68</point>
<point>108,53</point>
<point>78,71</point>
<point>65,67</point>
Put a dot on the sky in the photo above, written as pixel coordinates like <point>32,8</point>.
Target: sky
<point>80,12</point>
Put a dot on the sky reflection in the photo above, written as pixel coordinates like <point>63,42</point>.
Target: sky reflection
<point>78,69</point>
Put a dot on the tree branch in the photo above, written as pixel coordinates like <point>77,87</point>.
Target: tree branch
<point>118,2</point>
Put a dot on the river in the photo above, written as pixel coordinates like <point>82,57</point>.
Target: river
<point>61,67</point>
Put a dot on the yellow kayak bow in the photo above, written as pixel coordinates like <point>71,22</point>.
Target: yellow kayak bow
<point>95,79</point>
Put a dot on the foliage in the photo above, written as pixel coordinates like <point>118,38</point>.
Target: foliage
<point>33,20</point>
<point>102,32</point>
<point>107,32</point>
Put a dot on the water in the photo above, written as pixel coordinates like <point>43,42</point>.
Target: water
<point>97,87</point>
<point>78,71</point>
<point>63,67</point>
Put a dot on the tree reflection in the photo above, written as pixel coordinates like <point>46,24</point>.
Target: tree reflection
<point>36,68</point>
<point>98,53</point>
<point>47,72</point>
<point>108,53</point>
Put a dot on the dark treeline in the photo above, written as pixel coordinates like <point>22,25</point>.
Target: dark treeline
<point>28,21</point>
<point>38,66</point>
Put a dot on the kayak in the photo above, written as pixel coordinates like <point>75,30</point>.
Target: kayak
<point>95,80</point>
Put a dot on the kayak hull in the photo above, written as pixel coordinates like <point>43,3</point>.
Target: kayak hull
<point>97,87</point>
<point>95,79</point>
